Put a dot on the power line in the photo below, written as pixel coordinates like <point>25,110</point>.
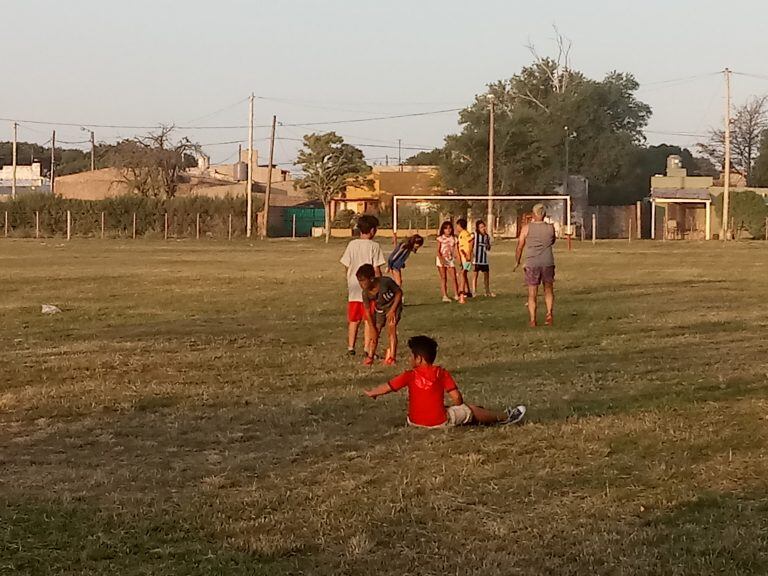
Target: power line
<point>758,76</point>
<point>232,127</point>
<point>680,80</point>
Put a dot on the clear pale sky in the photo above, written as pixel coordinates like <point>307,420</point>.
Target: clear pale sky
<point>145,62</point>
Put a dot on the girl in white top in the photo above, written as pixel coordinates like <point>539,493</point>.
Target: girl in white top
<point>447,255</point>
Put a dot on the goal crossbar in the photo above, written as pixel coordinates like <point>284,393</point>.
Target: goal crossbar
<point>566,199</point>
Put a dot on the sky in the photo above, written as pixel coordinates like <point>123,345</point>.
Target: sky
<point>194,63</point>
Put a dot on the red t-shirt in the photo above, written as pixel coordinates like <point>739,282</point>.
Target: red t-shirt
<point>427,386</point>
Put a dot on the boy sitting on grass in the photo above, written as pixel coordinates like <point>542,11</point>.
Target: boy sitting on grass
<point>427,385</point>
<point>382,306</point>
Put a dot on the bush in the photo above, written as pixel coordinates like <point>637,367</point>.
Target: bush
<point>747,211</point>
<point>343,219</point>
<point>118,216</point>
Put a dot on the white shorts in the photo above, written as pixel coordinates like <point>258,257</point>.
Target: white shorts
<point>457,416</point>
<point>448,263</point>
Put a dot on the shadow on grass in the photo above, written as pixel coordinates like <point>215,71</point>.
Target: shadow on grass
<point>50,537</point>
<point>715,533</point>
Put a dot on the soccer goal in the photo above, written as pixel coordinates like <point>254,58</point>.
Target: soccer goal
<point>565,216</point>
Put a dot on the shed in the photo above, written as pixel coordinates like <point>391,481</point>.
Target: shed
<point>687,212</point>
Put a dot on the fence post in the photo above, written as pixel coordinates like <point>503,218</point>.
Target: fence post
<point>102,225</point>
<point>134,225</point>
<point>766,228</point>
<point>69,225</point>
<point>293,228</point>
<point>594,228</point>
<point>629,236</point>
<point>37,224</point>
<point>197,227</point>
<point>166,226</point>
<point>229,231</point>
<point>6,223</point>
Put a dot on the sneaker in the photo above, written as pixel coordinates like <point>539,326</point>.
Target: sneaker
<point>515,415</point>
<point>389,361</point>
<point>368,361</point>
<point>456,298</point>
<point>351,351</point>
<point>446,299</point>
<point>490,295</point>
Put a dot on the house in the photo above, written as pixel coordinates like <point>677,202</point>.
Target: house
<point>681,205</point>
<point>382,184</point>
<point>29,178</point>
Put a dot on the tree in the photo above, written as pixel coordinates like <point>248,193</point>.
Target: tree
<point>329,165</point>
<point>536,110</point>
<point>151,165</point>
<point>426,158</point>
<point>759,175</point>
<point>747,210</point>
<point>748,126</point>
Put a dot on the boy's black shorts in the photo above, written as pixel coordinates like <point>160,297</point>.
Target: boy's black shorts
<point>380,318</point>
<point>482,268</point>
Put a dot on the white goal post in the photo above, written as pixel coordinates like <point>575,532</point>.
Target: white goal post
<point>566,199</point>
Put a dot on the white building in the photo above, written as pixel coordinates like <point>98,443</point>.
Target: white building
<point>28,179</point>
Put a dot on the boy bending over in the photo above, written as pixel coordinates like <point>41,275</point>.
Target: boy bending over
<point>382,306</point>
<point>427,385</point>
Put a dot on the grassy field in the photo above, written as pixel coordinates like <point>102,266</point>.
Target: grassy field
<point>192,411</point>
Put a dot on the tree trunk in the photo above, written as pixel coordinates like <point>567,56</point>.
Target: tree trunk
<point>327,207</point>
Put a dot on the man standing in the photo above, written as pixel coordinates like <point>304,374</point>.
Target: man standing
<point>536,239</point>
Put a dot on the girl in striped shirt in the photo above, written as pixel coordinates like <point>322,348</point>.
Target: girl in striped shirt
<point>480,257</point>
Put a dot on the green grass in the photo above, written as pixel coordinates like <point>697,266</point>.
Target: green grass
<point>192,412</point>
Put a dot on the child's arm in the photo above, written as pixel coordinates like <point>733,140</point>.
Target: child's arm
<point>380,390</point>
<point>456,397</point>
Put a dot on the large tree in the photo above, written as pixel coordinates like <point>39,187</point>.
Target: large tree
<point>329,165</point>
<point>748,127</point>
<point>151,165</point>
<point>535,112</point>
<point>759,174</point>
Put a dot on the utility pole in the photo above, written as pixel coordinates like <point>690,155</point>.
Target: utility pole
<point>264,232</point>
<point>53,162</point>
<point>727,162</point>
<point>567,161</point>
<point>400,154</point>
<point>93,151</point>
<point>248,184</point>
<point>491,137</point>
<point>13,183</point>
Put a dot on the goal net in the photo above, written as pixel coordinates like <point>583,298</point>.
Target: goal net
<point>510,212</point>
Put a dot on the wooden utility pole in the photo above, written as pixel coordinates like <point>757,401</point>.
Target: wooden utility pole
<point>265,220</point>
<point>93,151</point>
<point>400,154</point>
<point>248,184</point>
<point>53,162</point>
<point>15,143</point>
<point>491,154</point>
<point>727,162</point>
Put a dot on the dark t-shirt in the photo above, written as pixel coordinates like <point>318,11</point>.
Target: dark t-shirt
<point>388,289</point>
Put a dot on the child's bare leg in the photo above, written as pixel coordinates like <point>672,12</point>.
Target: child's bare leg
<point>392,330</point>
<point>374,340</point>
<point>487,279</point>
<point>484,416</point>
<point>455,282</point>
<point>352,335</point>
<point>474,281</point>
<point>443,280</point>
<point>397,275</point>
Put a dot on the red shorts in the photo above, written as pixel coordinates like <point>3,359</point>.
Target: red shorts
<point>540,275</point>
<point>356,312</point>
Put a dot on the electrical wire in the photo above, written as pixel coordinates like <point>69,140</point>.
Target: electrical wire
<point>234,127</point>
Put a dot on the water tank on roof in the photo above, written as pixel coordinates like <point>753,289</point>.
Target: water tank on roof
<point>240,171</point>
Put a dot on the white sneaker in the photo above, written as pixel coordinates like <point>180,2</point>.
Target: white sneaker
<point>515,415</point>
<point>446,299</point>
